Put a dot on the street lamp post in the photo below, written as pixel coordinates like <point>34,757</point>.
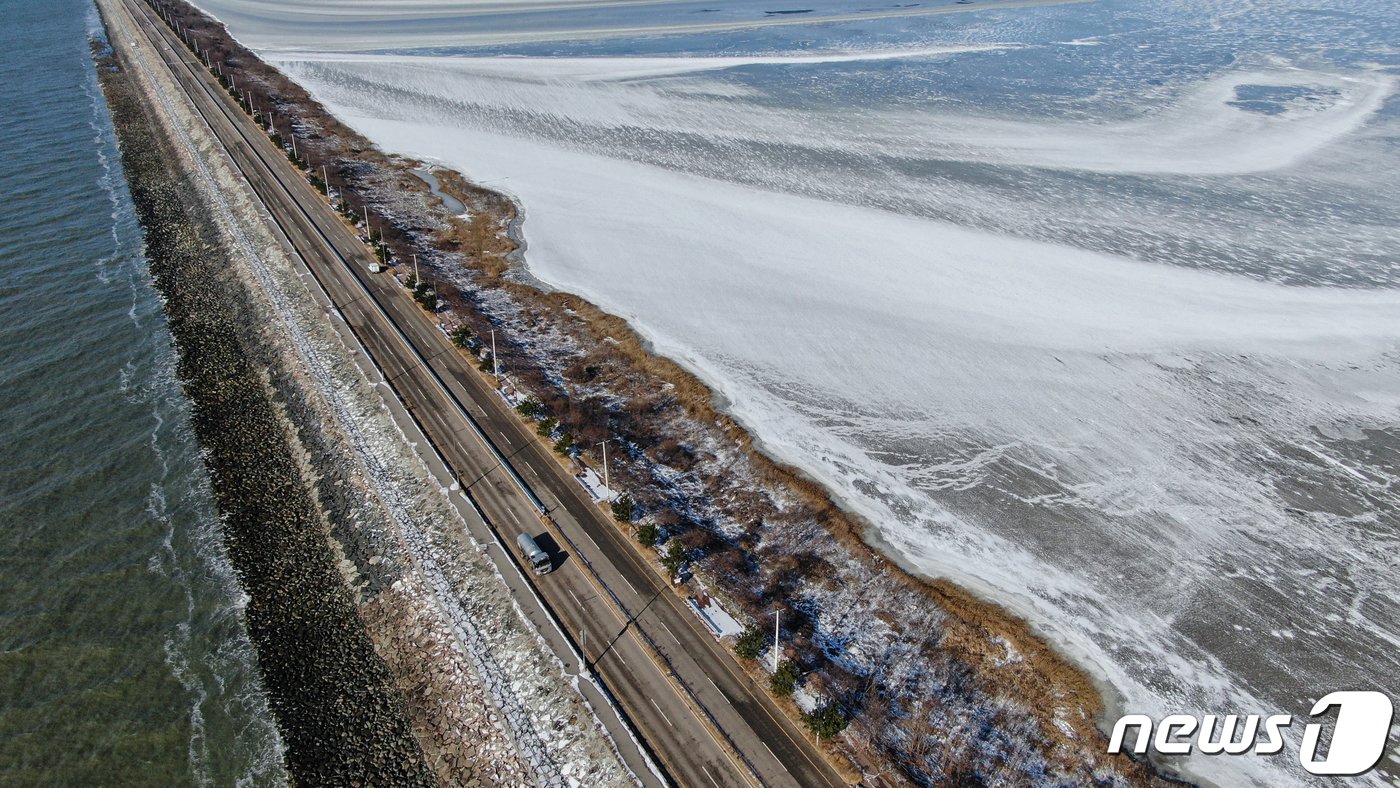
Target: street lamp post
<point>495,361</point>
<point>777,617</point>
<point>606,486</point>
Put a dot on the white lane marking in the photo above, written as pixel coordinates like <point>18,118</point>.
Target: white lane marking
<point>663,714</point>
<point>595,544</point>
<point>669,632</point>
<point>577,601</point>
<point>511,512</point>
<point>716,686</point>
<point>507,439</point>
<point>709,776</point>
<point>629,585</point>
<point>770,751</point>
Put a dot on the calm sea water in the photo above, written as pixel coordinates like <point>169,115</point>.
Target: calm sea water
<point>122,656</point>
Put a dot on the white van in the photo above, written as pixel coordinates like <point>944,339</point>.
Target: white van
<point>533,555</point>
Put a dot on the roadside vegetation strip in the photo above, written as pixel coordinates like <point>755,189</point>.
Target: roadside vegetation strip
<point>337,708</point>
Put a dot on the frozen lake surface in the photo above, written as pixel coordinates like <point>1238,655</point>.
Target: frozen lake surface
<point>1092,307</point>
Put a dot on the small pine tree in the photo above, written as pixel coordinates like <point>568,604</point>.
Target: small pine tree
<point>564,444</point>
<point>530,408</point>
<point>462,337</point>
<point>674,557</point>
<point>546,427</point>
<point>647,534</point>
<point>826,721</point>
<point>784,681</point>
<point>622,509</point>
<point>752,642</point>
<point>423,291</point>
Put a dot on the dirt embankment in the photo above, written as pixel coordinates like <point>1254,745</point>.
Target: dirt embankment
<point>337,706</point>
<point>939,686</point>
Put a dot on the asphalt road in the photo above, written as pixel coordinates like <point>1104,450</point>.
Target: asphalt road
<point>614,607</point>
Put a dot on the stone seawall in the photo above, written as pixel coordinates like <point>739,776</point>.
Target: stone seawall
<point>337,704</point>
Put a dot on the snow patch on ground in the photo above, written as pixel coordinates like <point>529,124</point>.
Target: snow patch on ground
<point>594,485</point>
<point>716,618</point>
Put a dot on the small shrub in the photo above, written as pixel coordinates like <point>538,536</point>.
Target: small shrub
<point>582,373</point>
<point>826,721</point>
<point>784,681</point>
<point>462,338</point>
<point>622,509</point>
<point>700,540</point>
<point>647,534</point>
<point>752,642</point>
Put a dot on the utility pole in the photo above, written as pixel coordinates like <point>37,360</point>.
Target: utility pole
<point>416,280</point>
<point>777,617</point>
<point>293,134</point>
<point>495,362</point>
<point>604,444</point>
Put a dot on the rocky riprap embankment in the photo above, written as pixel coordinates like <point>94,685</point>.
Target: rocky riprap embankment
<point>337,704</point>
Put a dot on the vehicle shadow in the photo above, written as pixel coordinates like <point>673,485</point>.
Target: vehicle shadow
<point>557,555</point>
